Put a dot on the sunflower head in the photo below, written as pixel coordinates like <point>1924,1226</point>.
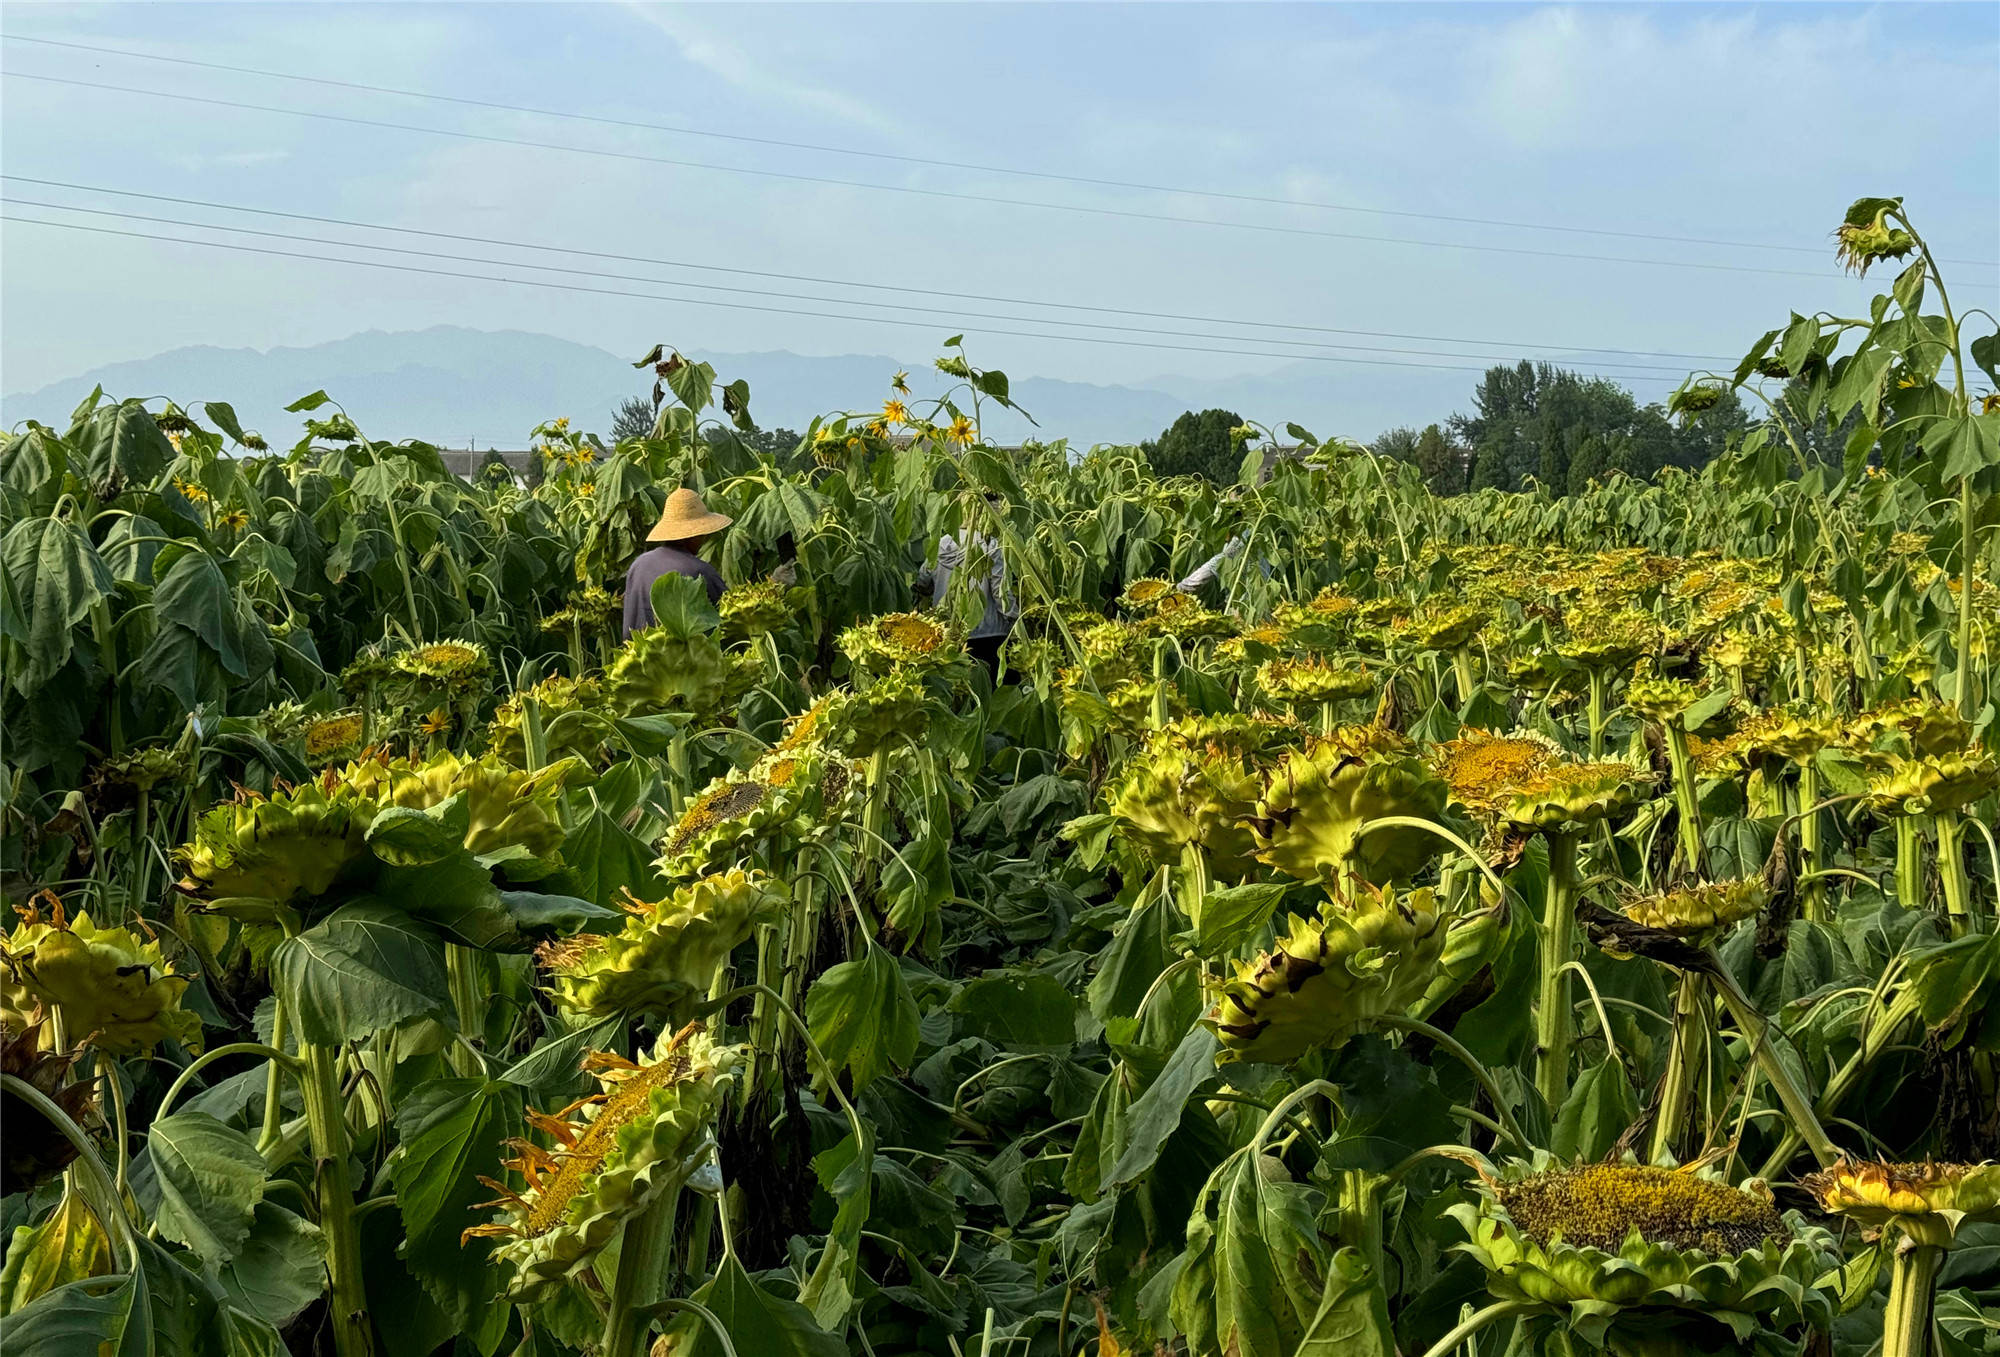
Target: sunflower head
<point>1310,681</point>
<point>1565,794</point>
<point>1928,785</point>
<point>1311,820</point>
<point>142,769</point>
<point>1636,1258</point>
<point>890,709</point>
<point>1440,625</point>
<point>447,664</point>
<point>1327,976</point>
<point>901,641</point>
<point>1142,595</point>
<point>665,959</point>
<point>1926,1202</point>
<point>1196,782</point>
<point>333,737</point>
<point>1700,911</point>
<point>1484,769</point>
<point>754,609</point>
<point>296,842</point>
<point>1663,701</point>
<point>555,698</point>
<point>34,1150</point>
<point>602,1161</point>
<point>1608,641</point>
<point>656,671</point>
<point>109,986</point>
<point>1866,236</point>
<point>508,811</point>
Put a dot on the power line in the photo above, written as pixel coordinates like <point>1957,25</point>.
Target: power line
<point>953,315</point>
<point>974,166</point>
<point>740,306</point>
<point>1122,213</point>
<point>841,282</point>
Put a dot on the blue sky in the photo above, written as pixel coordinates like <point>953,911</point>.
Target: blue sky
<point>1740,123</point>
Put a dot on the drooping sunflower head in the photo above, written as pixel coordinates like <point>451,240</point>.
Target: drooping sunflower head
<point>665,958</point>
<point>1661,700</point>
<point>1609,641</point>
<point>108,986</point>
<point>1184,617</point>
<point>1327,976</point>
<point>1195,782</point>
<point>142,769</point>
<point>333,737</point>
<point>1866,236</point>
<point>1310,680</point>
<point>892,708</point>
<point>507,809</point>
<point>1701,910</point>
<point>1485,769</point>
<point>755,609</point>
<point>296,842</point>
<point>1926,1202</point>
<point>1312,820</point>
<point>555,698</point>
<point>907,641</point>
<point>1932,784</point>
<point>734,817</point>
<point>1441,625</point>
<point>449,664</point>
<point>35,1151</point>
<point>605,1159</point>
<point>1144,594</point>
<point>1642,1259</point>
<point>1918,726</point>
<point>1565,794</point>
<point>656,671</point>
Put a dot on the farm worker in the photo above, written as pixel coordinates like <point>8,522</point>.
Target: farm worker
<point>981,553</point>
<point>685,524</point>
<point>1211,568</point>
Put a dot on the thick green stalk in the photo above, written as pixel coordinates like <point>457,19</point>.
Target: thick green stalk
<point>1600,682</point>
<point>1461,664</point>
<point>874,815</point>
<point>1361,1214</point>
<point>1553,1020</point>
<point>1814,903</point>
<point>1907,1321</point>
<point>274,1082</point>
<point>1804,1119</point>
<point>1968,534</point>
<point>642,1271</point>
<point>468,1000</point>
<point>1951,871</point>
<point>1687,1054</point>
<point>1687,798</point>
<point>1194,882</point>
<point>326,1129</point>
<point>1909,861</point>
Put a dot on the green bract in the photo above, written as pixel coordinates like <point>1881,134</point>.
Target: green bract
<point>1648,1261</point>
<point>667,955</point>
<point>656,672</point>
<point>610,1157</point>
<point>295,843</point>
<point>1309,822</point>
<point>107,987</point>
<point>1926,1203</point>
<point>1327,976</point>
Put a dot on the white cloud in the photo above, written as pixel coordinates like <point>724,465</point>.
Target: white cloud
<point>756,74</point>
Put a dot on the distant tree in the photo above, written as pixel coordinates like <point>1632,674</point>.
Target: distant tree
<point>632,419</point>
<point>1443,460</point>
<point>1198,445</point>
<point>1397,444</point>
<point>493,470</point>
<point>778,443</point>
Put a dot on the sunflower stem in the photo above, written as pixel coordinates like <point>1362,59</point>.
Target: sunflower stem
<point>1909,861</point>
<point>1477,1320</point>
<point>1756,1032</point>
<point>1600,680</point>
<point>1814,904</point>
<point>642,1270</point>
<point>1553,1019</point>
<point>468,1001</point>
<point>1687,798</point>
<point>1688,1051</point>
<point>1951,871</point>
<point>1907,1321</point>
<point>326,1128</point>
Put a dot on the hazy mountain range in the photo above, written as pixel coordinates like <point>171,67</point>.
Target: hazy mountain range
<point>457,387</point>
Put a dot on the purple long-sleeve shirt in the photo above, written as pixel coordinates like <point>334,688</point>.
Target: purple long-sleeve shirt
<point>650,565</point>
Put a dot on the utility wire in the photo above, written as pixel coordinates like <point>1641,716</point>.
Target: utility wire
<point>1184,190</point>
<point>1121,213</point>
<point>740,306</point>
<point>841,282</point>
<point>952,315</point>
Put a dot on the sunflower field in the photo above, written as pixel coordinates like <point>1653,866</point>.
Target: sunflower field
<point>1491,924</point>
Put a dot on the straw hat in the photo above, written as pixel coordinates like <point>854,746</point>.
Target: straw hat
<point>686,516</point>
